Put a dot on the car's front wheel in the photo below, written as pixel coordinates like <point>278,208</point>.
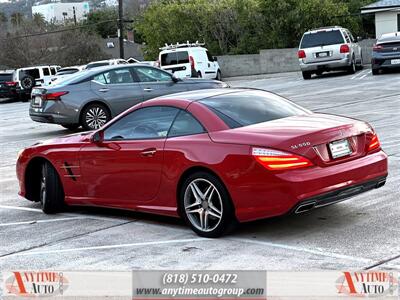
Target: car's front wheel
<point>352,68</point>
<point>51,190</point>
<point>206,206</point>
<point>218,77</point>
<point>94,116</point>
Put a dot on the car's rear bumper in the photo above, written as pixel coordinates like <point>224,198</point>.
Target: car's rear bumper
<point>384,62</point>
<point>325,65</point>
<point>266,194</point>
<point>51,118</point>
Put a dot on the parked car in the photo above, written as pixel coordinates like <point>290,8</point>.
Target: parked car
<point>102,63</point>
<point>8,87</point>
<point>27,78</point>
<point>92,97</point>
<point>386,53</point>
<point>65,72</point>
<point>327,49</point>
<point>189,60</point>
<point>211,157</point>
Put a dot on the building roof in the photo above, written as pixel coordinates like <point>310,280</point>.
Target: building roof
<point>382,4</point>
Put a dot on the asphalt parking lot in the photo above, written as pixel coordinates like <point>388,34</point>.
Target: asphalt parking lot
<point>360,233</point>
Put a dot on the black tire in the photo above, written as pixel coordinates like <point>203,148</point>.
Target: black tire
<point>219,214</point>
<point>219,76</point>
<point>375,71</point>
<point>319,73</point>
<point>51,190</point>
<point>306,75</point>
<point>360,66</point>
<point>71,126</point>
<point>199,74</point>
<point>352,68</point>
<point>27,82</point>
<point>88,116</point>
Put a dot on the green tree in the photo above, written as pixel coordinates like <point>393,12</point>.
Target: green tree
<point>17,19</point>
<point>103,22</point>
<point>38,20</point>
<point>3,17</point>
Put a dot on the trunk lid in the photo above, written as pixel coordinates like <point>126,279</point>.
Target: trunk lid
<point>306,135</point>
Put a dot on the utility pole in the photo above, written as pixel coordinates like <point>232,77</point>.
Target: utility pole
<point>121,29</point>
<point>74,15</point>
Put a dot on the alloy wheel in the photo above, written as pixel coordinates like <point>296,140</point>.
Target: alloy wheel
<point>96,117</point>
<point>203,205</point>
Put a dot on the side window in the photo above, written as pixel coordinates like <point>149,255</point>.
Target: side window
<point>114,77</point>
<point>148,74</point>
<point>46,72</point>
<point>210,58</point>
<point>30,72</point>
<point>185,124</point>
<point>53,71</point>
<point>145,123</point>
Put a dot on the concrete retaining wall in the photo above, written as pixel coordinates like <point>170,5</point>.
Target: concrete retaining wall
<point>272,61</point>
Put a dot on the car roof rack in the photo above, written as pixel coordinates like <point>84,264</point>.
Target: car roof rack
<point>178,45</point>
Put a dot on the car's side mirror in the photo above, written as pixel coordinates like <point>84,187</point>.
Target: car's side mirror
<point>175,79</point>
<point>215,58</point>
<point>98,137</point>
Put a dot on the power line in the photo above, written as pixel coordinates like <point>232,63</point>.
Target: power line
<point>60,30</point>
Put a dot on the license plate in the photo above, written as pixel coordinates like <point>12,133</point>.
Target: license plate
<point>322,54</point>
<point>340,148</point>
<point>37,101</point>
<point>395,61</point>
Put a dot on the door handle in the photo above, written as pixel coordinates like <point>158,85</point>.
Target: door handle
<point>148,152</point>
<point>104,90</point>
<point>147,89</point>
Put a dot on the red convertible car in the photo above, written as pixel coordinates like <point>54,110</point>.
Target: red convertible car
<point>212,157</point>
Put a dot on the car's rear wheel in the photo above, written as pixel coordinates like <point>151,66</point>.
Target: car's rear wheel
<point>71,126</point>
<point>206,206</point>
<point>352,68</point>
<point>95,116</point>
<point>375,71</point>
<point>306,75</point>
<point>51,190</point>
<point>218,77</point>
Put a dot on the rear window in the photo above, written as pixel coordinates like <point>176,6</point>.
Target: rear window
<point>5,77</point>
<point>30,72</point>
<point>251,107</point>
<point>174,58</point>
<point>321,38</point>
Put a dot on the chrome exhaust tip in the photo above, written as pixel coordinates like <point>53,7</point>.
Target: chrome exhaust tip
<point>304,207</point>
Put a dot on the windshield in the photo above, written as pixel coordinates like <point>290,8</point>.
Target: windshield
<point>251,107</point>
<point>321,38</point>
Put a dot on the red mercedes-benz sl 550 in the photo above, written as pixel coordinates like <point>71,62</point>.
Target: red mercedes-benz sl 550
<point>213,157</point>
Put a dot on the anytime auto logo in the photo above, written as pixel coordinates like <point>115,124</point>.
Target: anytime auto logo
<point>44,283</point>
<point>367,284</point>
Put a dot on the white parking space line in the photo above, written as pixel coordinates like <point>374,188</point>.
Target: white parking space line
<point>40,221</point>
<point>357,75</point>
<point>110,247</point>
<point>20,208</point>
<point>301,249</point>
<point>369,72</point>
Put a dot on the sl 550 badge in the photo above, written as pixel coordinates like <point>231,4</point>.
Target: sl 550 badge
<point>301,145</point>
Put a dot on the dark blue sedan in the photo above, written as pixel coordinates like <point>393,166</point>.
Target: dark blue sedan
<point>386,53</point>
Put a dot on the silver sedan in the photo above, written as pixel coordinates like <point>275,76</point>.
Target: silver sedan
<point>93,97</point>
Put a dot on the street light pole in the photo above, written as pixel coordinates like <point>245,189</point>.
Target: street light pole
<point>120,29</point>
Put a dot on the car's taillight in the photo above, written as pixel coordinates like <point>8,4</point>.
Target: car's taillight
<point>377,48</point>
<point>373,143</point>
<point>54,96</point>
<point>192,64</point>
<point>11,83</point>
<point>301,54</point>
<point>344,48</point>
<point>276,160</point>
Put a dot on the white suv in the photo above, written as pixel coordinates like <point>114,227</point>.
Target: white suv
<point>189,60</point>
<point>328,48</point>
<point>102,63</point>
<point>27,78</point>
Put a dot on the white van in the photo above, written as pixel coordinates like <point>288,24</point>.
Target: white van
<point>189,60</point>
